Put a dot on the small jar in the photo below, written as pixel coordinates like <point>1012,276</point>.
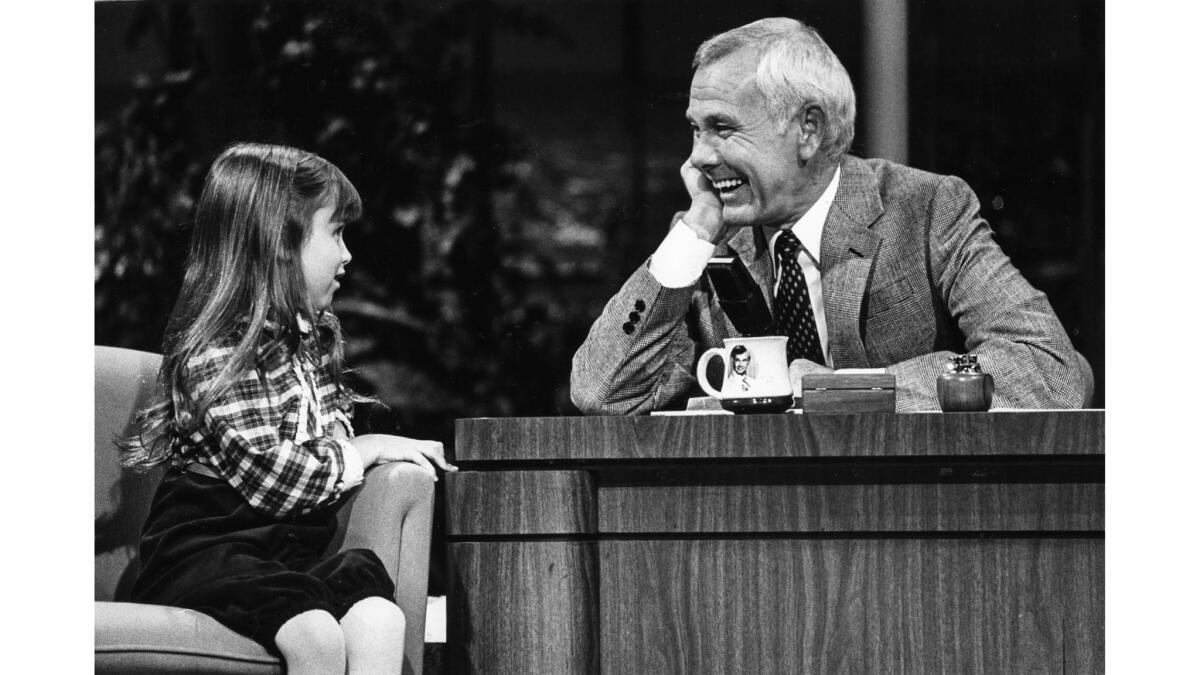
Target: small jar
<point>966,388</point>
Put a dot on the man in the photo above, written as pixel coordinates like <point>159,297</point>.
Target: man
<point>863,263</point>
<point>739,378</point>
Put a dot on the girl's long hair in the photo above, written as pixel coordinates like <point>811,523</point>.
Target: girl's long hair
<point>242,275</point>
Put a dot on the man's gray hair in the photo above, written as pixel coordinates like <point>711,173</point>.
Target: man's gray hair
<point>796,69</point>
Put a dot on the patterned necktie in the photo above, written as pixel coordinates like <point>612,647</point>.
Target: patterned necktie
<point>793,309</point>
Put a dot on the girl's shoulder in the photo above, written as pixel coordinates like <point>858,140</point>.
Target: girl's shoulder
<point>266,356</point>
<point>209,359</point>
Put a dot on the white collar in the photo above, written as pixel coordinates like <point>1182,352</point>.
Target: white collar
<point>811,225</point>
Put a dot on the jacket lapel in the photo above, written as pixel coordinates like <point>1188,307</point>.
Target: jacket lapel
<point>848,248</point>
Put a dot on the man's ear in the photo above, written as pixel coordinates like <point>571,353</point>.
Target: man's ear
<point>810,126</point>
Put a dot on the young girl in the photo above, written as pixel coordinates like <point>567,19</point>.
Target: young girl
<point>254,420</point>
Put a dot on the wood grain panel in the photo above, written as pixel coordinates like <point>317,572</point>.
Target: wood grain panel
<point>840,401</point>
<point>1083,617</point>
<point>529,607</point>
<point>849,508</point>
<point>1065,432</point>
<point>520,502</point>
<point>852,606</point>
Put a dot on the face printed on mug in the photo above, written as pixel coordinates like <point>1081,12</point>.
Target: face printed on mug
<point>741,362</point>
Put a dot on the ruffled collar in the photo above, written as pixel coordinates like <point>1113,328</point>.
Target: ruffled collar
<point>303,326</point>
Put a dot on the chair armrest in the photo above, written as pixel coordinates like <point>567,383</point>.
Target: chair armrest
<point>393,515</point>
<point>136,638</point>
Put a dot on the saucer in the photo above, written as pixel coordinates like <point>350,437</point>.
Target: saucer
<point>758,404</point>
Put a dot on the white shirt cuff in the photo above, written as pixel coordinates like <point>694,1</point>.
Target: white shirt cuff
<point>680,258</point>
<point>352,475</point>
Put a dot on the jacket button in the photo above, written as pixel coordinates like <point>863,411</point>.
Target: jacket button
<point>634,317</point>
<point>639,306</point>
<point>628,328</point>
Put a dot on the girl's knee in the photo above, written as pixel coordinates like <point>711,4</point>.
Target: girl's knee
<point>379,613</point>
<point>374,630</point>
<point>313,638</point>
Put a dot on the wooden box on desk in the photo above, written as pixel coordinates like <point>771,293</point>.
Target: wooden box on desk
<point>849,392</point>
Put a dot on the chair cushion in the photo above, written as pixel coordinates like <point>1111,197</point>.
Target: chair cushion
<point>138,638</point>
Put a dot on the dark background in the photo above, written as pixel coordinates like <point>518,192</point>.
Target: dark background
<point>518,159</point>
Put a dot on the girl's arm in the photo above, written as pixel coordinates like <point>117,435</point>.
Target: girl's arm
<point>255,436</point>
<point>381,448</point>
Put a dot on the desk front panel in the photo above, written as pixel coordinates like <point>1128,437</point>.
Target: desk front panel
<point>902,605</point>
<point>841,543</point>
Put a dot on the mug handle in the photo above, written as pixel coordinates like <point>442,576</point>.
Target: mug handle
<point>702,370</point>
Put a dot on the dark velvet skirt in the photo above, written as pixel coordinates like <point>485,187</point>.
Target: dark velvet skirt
<point>204,548</point>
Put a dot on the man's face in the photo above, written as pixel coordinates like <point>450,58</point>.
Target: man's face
<point>751,160</point>
<point>741,362</point>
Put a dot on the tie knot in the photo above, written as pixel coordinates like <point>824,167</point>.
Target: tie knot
<point>787,244</point>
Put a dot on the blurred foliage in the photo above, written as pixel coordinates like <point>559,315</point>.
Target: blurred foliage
<point>147,180</point>
<point>454,305</point>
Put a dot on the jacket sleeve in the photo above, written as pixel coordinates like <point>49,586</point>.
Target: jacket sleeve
<point>1004,320</point>
<point>639,354</point>
<point>253,434</point>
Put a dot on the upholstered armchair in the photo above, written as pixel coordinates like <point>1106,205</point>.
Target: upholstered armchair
<point>391,514</point>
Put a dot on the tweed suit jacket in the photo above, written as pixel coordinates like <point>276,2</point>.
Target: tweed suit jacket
<point>911,276</point>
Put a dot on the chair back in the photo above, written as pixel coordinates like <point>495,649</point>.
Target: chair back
<point>125,383</point>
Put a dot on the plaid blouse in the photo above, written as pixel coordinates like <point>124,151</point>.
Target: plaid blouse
<point>268,435</point>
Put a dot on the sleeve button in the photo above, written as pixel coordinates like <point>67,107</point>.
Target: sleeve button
<point>639,306</point>
<point>628,328</point>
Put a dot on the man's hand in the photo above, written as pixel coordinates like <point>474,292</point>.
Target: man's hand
<point>704,216</point>
<point>801,367</point>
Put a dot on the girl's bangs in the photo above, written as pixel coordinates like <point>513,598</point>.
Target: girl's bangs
<point>347,203</point>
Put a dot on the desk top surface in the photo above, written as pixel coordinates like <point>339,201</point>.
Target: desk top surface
<point>775,437</point>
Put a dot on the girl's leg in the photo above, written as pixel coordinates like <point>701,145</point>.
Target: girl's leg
<point>312,642</point>
<point>374,632</point>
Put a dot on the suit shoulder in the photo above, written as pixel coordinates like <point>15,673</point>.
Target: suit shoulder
<point>908,193</point>
<point>898,182</point>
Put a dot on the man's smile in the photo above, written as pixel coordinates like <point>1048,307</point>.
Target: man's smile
<point>727,186</point>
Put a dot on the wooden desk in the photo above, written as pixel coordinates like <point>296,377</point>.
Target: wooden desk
<point>888,543</point>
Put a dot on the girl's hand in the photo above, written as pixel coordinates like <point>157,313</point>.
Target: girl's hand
<point>382,448</point>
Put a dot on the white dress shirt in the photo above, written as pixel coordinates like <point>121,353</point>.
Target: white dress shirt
<point>808,230</point>
<point>681,257</point>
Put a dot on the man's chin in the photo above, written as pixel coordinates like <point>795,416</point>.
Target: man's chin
<point>738,216</point>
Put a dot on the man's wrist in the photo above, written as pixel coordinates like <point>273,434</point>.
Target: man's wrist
<point>680,258</point>
<point>706,222</point>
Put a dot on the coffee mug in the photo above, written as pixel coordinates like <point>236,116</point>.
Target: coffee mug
<point>755,374</point>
